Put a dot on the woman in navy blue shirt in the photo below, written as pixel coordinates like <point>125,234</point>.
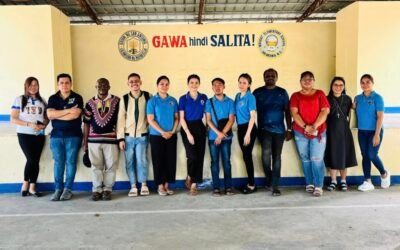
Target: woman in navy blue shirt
<point>162,115</point>
<point>191,111</point>
<point>245,105</point>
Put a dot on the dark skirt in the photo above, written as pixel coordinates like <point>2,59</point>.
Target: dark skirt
<point>340,152</point>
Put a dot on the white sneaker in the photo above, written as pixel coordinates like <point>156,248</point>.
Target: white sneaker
<point>366,186</point>
<point>385,182</point>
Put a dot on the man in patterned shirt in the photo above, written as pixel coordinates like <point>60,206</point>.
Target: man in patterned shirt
<point>100,139</point>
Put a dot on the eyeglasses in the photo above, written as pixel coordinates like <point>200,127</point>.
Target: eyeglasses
<point>307,79</point>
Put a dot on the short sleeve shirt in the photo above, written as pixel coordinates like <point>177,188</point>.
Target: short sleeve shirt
<point>33,112</point>
<point>72,128</point>
<point>193,109</point>
<point>309,107</point>
<point>366,110</point>
<point>223,108</point>
<point>271,105</point>
<point>164,111</point>
<point>243,106</point>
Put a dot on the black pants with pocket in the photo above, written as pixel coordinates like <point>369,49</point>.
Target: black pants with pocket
<point>195,153</point>
<point>272,144</point>
<point>32,146</point>
<point>247,150</point>
<point>163,156</point>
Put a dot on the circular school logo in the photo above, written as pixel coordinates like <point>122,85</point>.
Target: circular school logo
<point>133,45</point>
<point>272,43</point>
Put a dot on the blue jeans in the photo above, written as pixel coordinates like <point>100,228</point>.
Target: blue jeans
<point>136,163</point>
<point>225,149</point>
<point>369,152</point>
<point>311,152</point>
<point>65,154</point>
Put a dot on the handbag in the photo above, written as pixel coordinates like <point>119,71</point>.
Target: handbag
<point>221,122</point>
<point>86,160</point>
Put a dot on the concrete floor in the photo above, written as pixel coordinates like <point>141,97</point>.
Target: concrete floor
<point>351,220</point>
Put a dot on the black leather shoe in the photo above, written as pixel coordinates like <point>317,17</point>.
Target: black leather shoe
<point>24,193</point>
<point>35,194</point>
<point>247,190</point>
<point>276,192</point>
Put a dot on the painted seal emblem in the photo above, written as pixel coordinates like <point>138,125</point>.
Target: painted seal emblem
<point>272,43</point>
<point>133,45</point>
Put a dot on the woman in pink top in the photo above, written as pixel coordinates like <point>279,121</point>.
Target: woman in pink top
<point>310,108</point>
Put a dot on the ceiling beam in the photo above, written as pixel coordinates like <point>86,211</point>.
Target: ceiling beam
<point>188,5</point>
<point>201,11</point>
<point>130,21</point>
<point>311,9</point>
<point>86,7</point>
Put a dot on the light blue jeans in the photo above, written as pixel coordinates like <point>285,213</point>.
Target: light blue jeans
<point>136,163</point>
<point>311,152</point>
<point>225,150</point>
<point>65,153</point>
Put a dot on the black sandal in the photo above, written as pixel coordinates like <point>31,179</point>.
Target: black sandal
<point>216,192</point>
<point>343,186</point>
<point>331,186</point>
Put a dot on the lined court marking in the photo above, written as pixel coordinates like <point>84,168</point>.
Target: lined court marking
<point>204,210</point>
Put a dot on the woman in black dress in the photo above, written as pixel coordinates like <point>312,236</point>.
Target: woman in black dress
<point>340,153</point>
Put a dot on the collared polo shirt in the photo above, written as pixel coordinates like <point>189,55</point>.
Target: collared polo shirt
<point>164,111</point>
<point>367,108</point>
<point>271,105</point>
<point>223,108</point>
<point>62,128</point>
<point>194,109</point>
<point>243,106</point>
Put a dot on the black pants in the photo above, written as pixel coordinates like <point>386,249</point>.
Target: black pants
<point>163,156</point>
<point>32,146</point>
<point>195,153</point>
<point>272,144</point>
<point>247,150</point>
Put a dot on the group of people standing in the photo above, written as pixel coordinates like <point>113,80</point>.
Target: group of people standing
<point>320,128</point>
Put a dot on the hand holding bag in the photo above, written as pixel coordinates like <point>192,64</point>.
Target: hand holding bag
<point>221,122</point>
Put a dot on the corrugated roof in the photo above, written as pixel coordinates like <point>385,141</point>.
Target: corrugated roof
<point>187,11</point>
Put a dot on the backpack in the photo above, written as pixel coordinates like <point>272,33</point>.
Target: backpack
<point>126,99</point>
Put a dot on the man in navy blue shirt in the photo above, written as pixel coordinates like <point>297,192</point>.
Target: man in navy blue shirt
<point>64,111</point>
<point>272,107</point>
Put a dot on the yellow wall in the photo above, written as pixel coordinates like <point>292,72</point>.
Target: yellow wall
<point>310,46</point>
<point>347,47</point>
<point>61,38</point>
<point>29,47</point>
<point>368,38</point>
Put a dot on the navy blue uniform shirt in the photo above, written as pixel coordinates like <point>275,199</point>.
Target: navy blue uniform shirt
<point>271,104</point>
<point>72,128</point>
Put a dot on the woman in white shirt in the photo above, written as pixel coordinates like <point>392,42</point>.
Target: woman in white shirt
<point>28,112</point>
